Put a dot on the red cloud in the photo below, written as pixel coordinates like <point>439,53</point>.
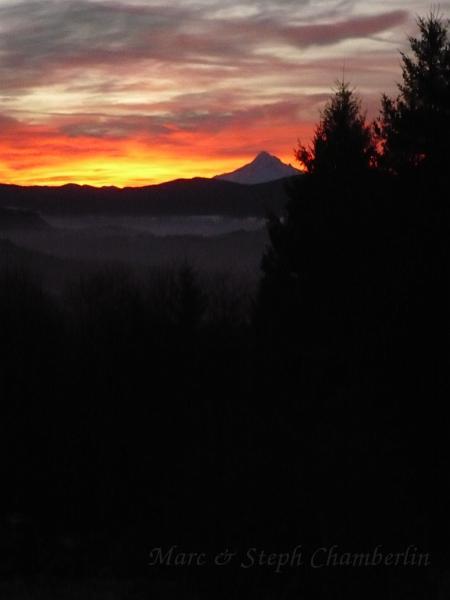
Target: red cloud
<point>357,27</point>
<point>165,85</point>
<point>32,154</point>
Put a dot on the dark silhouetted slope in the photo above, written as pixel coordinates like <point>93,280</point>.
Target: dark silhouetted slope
<point>181,197</point>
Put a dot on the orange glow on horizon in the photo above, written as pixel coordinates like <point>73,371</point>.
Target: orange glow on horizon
<point>133,172</point>
<point>135,93</point>
<point>36,155</point>
<point>119,172</point>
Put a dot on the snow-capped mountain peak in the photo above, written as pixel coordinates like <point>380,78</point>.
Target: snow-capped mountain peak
<point>264,167</point>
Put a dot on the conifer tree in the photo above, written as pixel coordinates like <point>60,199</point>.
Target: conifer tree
<point>342,140</point>
<point>414,128</point>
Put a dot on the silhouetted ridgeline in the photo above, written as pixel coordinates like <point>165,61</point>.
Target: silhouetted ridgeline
<point>181,197</point>
<point>179,410</point>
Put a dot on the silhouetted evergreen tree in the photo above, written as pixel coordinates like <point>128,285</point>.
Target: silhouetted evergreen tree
<point>352,322</point>
<point>342,139</point>
<point>300,256</point>
<point>414,128</point>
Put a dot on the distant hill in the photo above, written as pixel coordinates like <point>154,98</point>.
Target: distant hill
<point>20,218</point>
<point>180,197</point>
<point>264,168</point>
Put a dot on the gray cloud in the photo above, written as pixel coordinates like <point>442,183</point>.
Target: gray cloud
<point>180,116</point>
<point>43,43</point>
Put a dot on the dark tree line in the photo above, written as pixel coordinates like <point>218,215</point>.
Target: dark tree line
<point>354,310</point>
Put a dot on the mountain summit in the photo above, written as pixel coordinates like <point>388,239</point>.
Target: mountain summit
<point>265,167</point>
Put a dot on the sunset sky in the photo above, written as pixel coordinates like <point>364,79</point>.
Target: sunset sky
<point>132,92</point>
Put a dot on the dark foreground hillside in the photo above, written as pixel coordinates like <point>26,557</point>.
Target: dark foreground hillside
<point>60,255</point>
<point>179,411</point>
